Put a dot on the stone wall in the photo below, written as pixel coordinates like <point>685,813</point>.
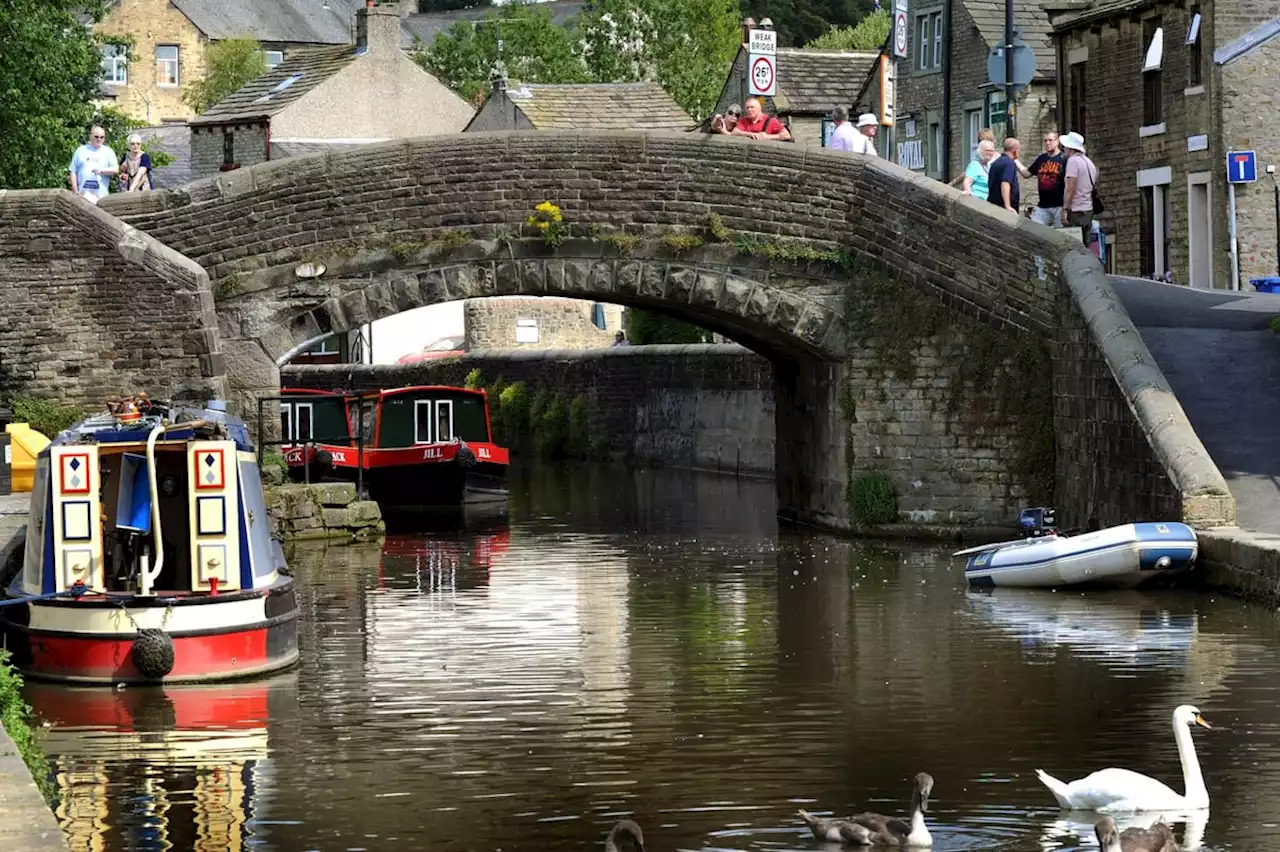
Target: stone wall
<point>91,308</point>
<point>384,223</point>
<point>1250,102</point>
<point>702,406</point>
<point>326,510</point>
<point>559,323</point>
<point>208,151</point>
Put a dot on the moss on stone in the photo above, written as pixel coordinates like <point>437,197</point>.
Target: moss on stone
<point>680,243</point>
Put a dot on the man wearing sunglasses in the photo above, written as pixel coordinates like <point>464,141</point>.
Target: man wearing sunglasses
<point>92,167</point>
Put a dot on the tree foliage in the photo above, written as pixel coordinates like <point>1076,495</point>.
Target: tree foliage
<point>649,327</point>
<point>870,33</point>
<point>534,50</point>
<point>50,67</point>
<point>800,21</point>
<point>229,64</point>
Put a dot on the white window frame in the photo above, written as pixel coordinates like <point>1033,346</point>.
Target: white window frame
<point>527,330</point>
<point>973,127</point>
<point>293,420</point>
<point>163,63</point>
<point>267,54</point>
<point>924,23</point>
<point>118,62</point>
<point>327,346</point>
<point>937,39</point>
<point>433,408</point>
<point>442,405</point>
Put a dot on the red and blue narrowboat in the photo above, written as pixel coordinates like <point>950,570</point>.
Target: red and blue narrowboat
<point>149,555</point>
<point>421,446</point>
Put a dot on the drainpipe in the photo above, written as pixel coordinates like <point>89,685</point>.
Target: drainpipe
<point>946,92</point>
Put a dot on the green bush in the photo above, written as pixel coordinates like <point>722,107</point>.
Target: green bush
<point>579,443</point>
<point>647,327</point>
<point>1275,325</point>
<point>515,412</point>
<point>272,458</point>
<point>494,392</point>
<point>552,432</point>
<point>474,380</point>
<point>18,720</point>
<point>537,407</point>
<point>44,415</point>
<point>872,498</point>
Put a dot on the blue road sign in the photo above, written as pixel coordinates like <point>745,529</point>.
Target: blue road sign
<point>1242,166</point>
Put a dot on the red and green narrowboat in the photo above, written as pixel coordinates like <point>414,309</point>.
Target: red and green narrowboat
<point>422,446</point>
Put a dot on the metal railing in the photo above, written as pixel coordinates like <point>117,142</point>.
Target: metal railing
<point>308,445</point>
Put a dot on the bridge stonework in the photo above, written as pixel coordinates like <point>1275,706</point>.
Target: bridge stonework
<point>975,359</point>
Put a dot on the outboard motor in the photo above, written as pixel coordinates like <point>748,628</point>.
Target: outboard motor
<point>1035,523</point>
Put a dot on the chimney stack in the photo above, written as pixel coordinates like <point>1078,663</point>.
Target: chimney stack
<point>748,24</point>
<point>378,28</point>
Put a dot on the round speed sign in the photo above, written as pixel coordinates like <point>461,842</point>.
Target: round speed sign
<point>762,75</point>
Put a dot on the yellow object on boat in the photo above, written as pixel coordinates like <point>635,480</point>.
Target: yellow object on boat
<point>27,444</point>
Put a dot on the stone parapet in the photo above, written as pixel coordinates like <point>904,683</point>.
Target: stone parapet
<point>322,511</point>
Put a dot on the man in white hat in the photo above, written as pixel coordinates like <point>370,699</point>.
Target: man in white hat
<point>864,142</point>
<point>1081,180</point>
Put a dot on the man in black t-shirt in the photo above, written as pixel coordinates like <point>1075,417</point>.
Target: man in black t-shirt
<point>1002,177</point>
<point>1050,170</point>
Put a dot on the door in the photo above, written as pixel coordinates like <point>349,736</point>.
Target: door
<point>1199,232</point>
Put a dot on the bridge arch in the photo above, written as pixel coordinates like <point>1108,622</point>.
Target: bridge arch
<point>781,247</point>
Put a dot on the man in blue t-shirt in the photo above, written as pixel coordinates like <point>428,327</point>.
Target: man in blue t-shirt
<point>1002,178</point>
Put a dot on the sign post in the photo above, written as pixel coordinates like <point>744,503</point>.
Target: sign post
<point>1242,167</point>
<point>762,55</point>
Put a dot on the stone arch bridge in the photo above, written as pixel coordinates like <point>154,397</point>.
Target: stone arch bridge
<point>969,358</point>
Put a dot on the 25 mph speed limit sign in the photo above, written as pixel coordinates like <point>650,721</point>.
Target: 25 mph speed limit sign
<point>763,79</point>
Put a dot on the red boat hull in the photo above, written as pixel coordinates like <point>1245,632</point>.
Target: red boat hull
<point>260,637</point>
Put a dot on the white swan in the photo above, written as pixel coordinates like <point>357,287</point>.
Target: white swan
<point>1122,790</point>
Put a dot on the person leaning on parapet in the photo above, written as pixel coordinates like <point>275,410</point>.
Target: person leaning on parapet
<point>724,124</point>
<point>619,339</point>
<point>844,137</point>
<point>975,176</point>
<point>92,167</point>
<point>865,141</point>
<point>759,125</point>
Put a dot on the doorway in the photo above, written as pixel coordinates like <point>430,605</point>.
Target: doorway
<point>1199,232</point>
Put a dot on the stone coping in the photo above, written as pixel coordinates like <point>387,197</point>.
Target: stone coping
<point>26,822</point>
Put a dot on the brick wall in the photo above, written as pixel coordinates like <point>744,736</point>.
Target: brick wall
<point>560,323</point>
<point>208,151</point>
<point>92,310</point>
<point>706,406</point>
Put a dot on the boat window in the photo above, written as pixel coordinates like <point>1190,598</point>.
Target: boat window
<point>422,421</point>
<point>469,422</point>
<point>444,420</point>
<point>296,421</point>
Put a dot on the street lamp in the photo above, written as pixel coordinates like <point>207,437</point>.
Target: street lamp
<point>1271,170</point>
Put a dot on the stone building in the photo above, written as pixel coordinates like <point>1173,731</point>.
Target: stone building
<point>810,82</point>
<point>170,38</point>
<point>539,322</point>
<point>597,106</point>
<point>326,97</point>
<point>1162,91</point>
<point>949,43</point>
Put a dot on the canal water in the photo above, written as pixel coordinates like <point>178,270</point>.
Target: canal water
<point>651,644</point>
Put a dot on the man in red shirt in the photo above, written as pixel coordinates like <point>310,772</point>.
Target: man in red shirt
<point>756,124</point>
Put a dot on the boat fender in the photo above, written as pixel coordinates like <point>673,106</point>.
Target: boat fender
<point>152,653</point>
<point>323,458</point>
<point>466,457</point>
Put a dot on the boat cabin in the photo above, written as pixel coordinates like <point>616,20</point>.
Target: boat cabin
<point>408,417</point>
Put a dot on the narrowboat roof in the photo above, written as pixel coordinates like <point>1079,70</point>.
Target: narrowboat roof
<point>419,388</point>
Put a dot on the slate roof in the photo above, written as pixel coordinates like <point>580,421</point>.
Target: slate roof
<point>1029,17</point>
<point>599,106</point>
<point>272,92</point>
<point>425,26</point>
<point>1086,11</point>
<point>813,81</point>
<point>174,140</point>
<point>305,21</point>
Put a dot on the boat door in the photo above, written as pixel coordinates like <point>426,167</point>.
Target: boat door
<point>432,421</point>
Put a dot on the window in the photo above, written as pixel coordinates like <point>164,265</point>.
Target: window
<point>929,41</point>
<point>526,331</point>
<point>972,127</point>
<point>328,346</point>
<point>444,420</point>
<point>423,422</point>
<point>1195,56</point>
<point>995,115</point>
<point>167,65</point>
<point>1076,100</point>
<point>1156,221</point>
<point>228,148</point>
<point>296,421</point>
<point>273,57</point>
<point>1152,88</point>
<point>935,149</point>
<point>115,65</point>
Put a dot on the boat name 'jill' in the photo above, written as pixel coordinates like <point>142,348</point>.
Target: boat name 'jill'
<point>433,453</point>
<point>483,452</point>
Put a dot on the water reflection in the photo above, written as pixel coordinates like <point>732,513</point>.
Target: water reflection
<point>652,644</point>
<point>193,762</point>
<point>1077,827</point>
